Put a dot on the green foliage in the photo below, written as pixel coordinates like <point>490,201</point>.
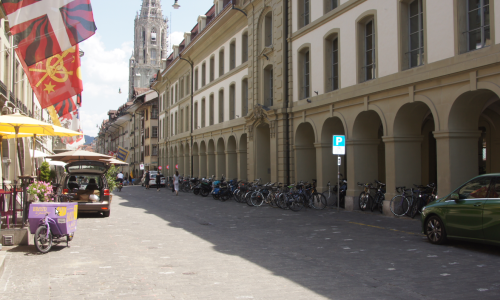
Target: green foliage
<point>111,177</point>
<point>53,175</point>
<point>45,172</point>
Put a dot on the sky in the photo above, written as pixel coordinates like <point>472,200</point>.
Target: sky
<point>107,53</point>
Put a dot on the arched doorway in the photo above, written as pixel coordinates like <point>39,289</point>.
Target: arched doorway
<point>203,160</point>
<point>180,160</point>
<point>263,152</point>
<point>305,153</point>
<point>211,158</point>
<point>196,161</point>
<point>187,161</point>
<point>231,158</point>
<point>242,158</point>
<point>366,155</point>
<point>327,168</point>
<point>470,146</point>
<point>220,159</point>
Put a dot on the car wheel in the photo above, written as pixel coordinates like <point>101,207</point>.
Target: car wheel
<point>435,231</point>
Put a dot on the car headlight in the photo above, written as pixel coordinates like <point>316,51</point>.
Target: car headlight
<point>423,208</point>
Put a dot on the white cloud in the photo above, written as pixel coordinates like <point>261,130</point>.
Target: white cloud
<point>176,38</point>
<point>104,71</point>
<point>90,120</point>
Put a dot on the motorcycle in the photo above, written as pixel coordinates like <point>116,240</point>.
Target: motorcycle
<point>119,185</point>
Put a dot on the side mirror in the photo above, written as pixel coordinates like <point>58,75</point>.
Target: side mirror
<point>454,197</point>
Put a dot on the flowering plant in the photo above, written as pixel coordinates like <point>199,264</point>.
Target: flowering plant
<point>41,190</point>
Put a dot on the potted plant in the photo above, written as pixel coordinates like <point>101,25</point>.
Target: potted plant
<point>40,191</point>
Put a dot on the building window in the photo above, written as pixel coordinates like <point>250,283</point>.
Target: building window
<point>186,119</point>
<point>232,55</point>
<point>268,29</point>
<point>188,85</point>
<point>268,86</point>
<point>221,62</point>
<point>154,112</point>
<point>304,71</point>
<point>221,106</point>
<point>172,96</point>
<point>212,68</point>
<point>196,79</point>
<point>154,132</point>
<point>211,110</point>
<point>195,116</point>
<point>416,34</point>
<point>367,51</point>
<point>332,62</point>
<point>172,124</point>
<point>181,127</point>
<point>244,97</point>
<point>478,24</point>
<point>176,124</point>
<point>176,94</point>
<point>181,90</point>
<point>154,150</point>
<point>304,13</point>
<point>244,47</point>
<point>232,102</point>
<point>153,36</point>
<point>203,112</point>
<point>330,5</point>
<point>203,74</point>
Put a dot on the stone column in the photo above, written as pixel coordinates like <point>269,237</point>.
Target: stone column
<point>456,158</point>
<point>362,166</point>
<point>403,165</point>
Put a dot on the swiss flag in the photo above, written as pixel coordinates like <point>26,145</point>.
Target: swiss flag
<point>44,28</point>
<point>57,78</point>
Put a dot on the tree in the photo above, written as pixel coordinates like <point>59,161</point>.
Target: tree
<point>45,172</point>
<point>111,177</point>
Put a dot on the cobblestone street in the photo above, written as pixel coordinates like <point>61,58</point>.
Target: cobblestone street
<point>157,246</point>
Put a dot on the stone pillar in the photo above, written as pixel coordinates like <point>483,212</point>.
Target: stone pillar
<point>362,166</point>
<point>456,158</point>
<point>403,165</point>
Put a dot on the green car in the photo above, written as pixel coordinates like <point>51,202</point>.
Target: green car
<point>471,212</point>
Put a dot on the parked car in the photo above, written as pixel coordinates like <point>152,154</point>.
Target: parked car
<point>152,179</point>
<point>471,212</point>
<point>85,182</point>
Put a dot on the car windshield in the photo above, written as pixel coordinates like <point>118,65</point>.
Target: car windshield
<point>83,182</point>
<point>98,168</point>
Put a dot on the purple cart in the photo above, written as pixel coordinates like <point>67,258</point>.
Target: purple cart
<point>50,222</point>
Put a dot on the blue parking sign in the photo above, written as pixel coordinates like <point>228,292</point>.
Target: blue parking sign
<point>339,144</point>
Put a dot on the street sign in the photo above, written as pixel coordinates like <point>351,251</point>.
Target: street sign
<point>177,166</point>
<point>159,168</point>
<point>141,167</point>
<point>168,167</point>
<point>339,144</point>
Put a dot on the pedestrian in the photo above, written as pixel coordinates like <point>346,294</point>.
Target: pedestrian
<point>158,182</point>
<point>146,180</point>
<point>176,183</point>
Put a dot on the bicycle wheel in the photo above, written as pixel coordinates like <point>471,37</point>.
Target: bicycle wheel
<point>374,203</point>
<point>381,204</point>
<point>296,203</point>
<point>399,205</point>
<point>257,199</point>
<point>248,198</point>
<point>363,201</point>
<point>331,198</point>
<point>282,201</point>
<point>318,201</point>
<point>204,192</point>
<point>42,243</point>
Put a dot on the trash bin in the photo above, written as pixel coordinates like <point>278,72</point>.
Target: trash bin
<point>64,213</point>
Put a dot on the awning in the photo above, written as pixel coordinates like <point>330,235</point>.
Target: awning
<point>55,163</point>
<point>38,153</point>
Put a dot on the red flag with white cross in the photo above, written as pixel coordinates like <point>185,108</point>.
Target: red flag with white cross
<point>44,28</point>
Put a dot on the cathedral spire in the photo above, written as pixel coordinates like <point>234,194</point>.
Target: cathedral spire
<point>151,9</point>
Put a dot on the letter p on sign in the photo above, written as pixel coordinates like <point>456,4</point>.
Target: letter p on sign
<point>339,144</point>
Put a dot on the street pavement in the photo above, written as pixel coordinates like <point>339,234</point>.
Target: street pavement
<point>158,246</point>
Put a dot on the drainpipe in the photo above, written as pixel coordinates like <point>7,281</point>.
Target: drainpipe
<point>287,117</point>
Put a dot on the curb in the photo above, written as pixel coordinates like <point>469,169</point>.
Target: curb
<point>2,262</point>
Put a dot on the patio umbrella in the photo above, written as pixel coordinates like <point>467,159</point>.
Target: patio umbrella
<point>76,155</point>
<point>19,124</point>
<point>115,161</point>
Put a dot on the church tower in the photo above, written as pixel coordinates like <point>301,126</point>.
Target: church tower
<point>150,45</point>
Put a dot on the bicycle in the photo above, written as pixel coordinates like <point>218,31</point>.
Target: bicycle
<point>364,197</point>
<point>48,230</point>
<point>378,200</point>
<point>400,204</point>
<point>422,199</point>
<point>315,199</point>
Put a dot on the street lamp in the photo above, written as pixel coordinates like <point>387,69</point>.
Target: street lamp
<point>176,5</point>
